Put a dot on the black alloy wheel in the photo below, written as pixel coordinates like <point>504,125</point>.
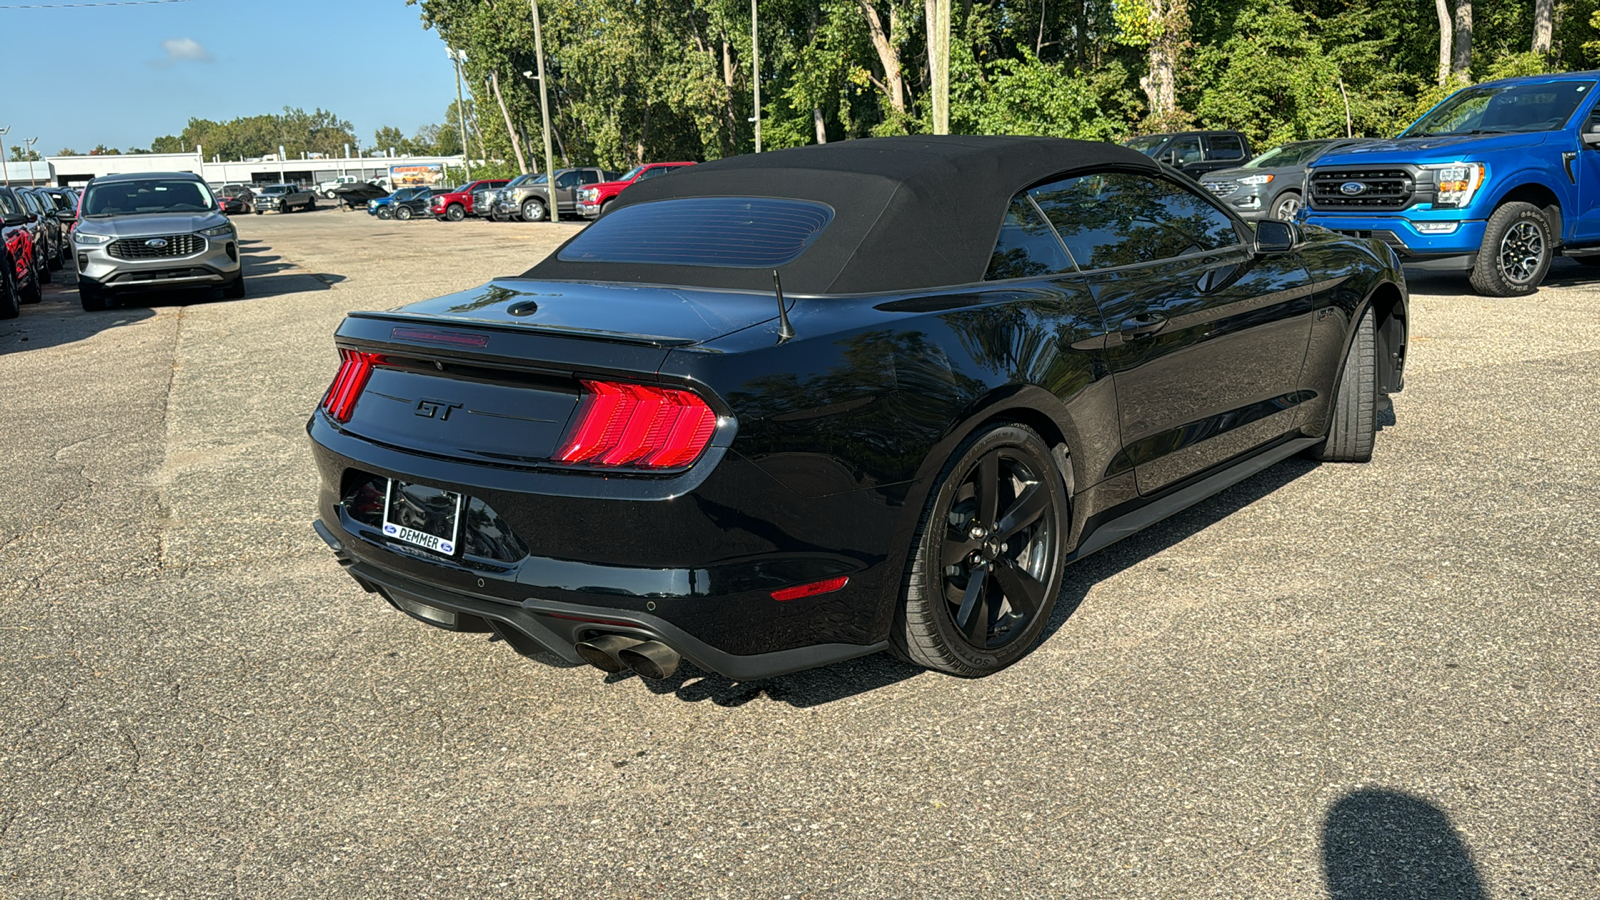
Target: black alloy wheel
<point>403,214</point>
<point>1516,253</point>
<point>10,302</point>
<point>988,562</point>
<point>533,210</point>
<point>455,212</point>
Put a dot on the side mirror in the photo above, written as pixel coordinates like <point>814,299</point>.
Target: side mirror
<point>1275,236</point>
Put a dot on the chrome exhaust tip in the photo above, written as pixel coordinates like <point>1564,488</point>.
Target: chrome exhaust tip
<point>650,659</point>
<point>602,651</point>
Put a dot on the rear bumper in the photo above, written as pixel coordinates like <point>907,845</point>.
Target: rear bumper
<point>691,564</point>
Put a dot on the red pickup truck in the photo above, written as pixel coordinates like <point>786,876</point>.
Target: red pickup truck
<point>457,204</point>
<point>593,200</point>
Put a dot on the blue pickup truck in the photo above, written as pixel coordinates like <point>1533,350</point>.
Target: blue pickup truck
<point>1494,181</point>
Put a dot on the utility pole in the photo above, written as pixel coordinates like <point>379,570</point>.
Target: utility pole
<point>28,152</point>
<point>461,116</point>
<point>755,71</point>
<point>940,51</point>
<point>4,172</point>
<point>544,112</point>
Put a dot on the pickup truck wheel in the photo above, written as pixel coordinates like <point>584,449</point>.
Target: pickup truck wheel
<point>1515,254</point>
<point>311,202</point>
<point>403,214</point>
<point>1287,207</point>
<point>605,207</point>
<point>455,212</point>
<point>533,211</point>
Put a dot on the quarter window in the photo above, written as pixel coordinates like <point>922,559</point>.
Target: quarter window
<point>1118,219</point>
<point>1026,246</point>
<point>1226,146</point>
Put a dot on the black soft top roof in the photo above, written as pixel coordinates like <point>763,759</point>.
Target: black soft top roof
<point>909,212</point>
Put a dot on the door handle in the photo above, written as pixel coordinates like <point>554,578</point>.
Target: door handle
<point>1140,326</point>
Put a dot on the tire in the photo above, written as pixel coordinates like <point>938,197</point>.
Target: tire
<point>258,212</point>
<point>385,213</point>
<point>1354,423</point>
<point>56,259</point>
<point>1516,252</point>
<point>90,295</point>
<point>403,214</point>
<point>605,208</point>
<point>311,203</point>
<point>34,293</point>
<point>976,600</point>
<point>234,290</point>
<point>41,270</point>
<point>455,212</point>
<point>1287,206</point>
<point>533,210</point>
<point>10,303</point>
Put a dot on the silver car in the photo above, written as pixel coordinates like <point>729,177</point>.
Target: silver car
<point>152,232</point>
<point>1272,185</point>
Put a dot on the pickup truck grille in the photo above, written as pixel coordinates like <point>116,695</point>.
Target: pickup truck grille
<point>173,245</point>
<point>1379,188</point>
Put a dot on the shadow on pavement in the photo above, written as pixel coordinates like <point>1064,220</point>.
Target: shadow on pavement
<point>1387,845</point>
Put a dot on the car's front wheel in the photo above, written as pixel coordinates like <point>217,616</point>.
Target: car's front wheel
<point>91,296</point>
<point>1516,252</point>
<point>1287,207</point>
<point>455,212</point>
<point>1354,424</point>
<point>385,212</point>
<point>533,210</point>
<point>234,290</point>
<point>989,555</point>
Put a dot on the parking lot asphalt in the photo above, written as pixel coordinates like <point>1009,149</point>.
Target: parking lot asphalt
<point>1346,681</point>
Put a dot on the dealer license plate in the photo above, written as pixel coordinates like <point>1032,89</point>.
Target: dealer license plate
<point>422,516</point>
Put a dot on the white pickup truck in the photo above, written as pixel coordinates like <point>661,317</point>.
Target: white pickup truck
<point>326,187</point>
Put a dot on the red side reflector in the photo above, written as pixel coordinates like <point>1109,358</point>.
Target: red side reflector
<point>354,370</point>
<point>638,426</point>
<point>433,336</point>
<point>812,589</point>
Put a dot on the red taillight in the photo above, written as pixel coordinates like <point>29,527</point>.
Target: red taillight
<point>812,589</point>
<point>638,426</point>
<point>355,368</point>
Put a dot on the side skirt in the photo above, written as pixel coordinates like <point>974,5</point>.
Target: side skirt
<point>1147,512</point>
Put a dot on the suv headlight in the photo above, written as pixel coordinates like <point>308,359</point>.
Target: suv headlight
<point>90,239</point>
<point>218,231</point>
<point>1457,183</point>
<point>1256,179</point>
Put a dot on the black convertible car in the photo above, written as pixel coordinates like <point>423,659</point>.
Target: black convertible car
<point>787,409</point>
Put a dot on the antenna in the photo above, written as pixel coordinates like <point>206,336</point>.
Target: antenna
<point>785,330</point>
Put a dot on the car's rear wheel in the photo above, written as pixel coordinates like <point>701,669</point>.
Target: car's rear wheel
<point>1287,207</point>
<point>1354,425</point>
<point>533,210</point>
<point>1516,252</point>
<point>10,302</point>
<point>455,212</point>
<point>91,296</point>
<point>988,559</point>
<point>403,214</point>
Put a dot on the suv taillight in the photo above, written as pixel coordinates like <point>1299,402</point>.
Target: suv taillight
<point>355,368</point>
<point>638,426</point>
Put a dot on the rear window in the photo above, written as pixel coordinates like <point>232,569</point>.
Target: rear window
<point>729,232</point>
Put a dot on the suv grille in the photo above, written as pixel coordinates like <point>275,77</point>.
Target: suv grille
<point>139,248</point>
<point>1219,188</point>
<point>1380,189</point>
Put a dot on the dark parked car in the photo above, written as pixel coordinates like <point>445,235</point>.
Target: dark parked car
<point>66,209</point>
<point>1273,185</point>
<point>358,195</point>
<point>383,207</point>
<point>417,203</point>
<point>19,270</point>
<point>1194,153</point>
<point>781,410</point>
<point>56,250</point>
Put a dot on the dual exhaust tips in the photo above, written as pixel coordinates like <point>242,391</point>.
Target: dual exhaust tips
<point>616,653</point>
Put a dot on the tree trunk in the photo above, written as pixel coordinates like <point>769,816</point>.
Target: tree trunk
<point>1543,22</point>
<point>1461,56</point>
<point>820,123</point>
<point>1161,85</point>
<point>894,84</point>
<point>511,132</point>
<point>730,111</point>
<point>1446,31</point>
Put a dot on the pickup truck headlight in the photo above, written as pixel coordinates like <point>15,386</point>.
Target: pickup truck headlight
<point>1457,183</point>
<point>218,231</point>
<point>90,240</point>
<point>1256,179</point>
<point>591,194</point>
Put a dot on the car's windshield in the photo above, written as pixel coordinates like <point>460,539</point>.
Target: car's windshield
<point>158,195</point>
<point>1296,154</point>
<point>459,190</point>
<point>1145,145</point>
<point>520,179</point>
<point>1507,108</point>
<point>632,173</point>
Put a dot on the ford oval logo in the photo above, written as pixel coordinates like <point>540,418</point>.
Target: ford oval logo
<point>156,243</point>
<point>1352,188</point>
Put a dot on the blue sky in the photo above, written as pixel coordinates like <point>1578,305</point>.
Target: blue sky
<point>122,75</point>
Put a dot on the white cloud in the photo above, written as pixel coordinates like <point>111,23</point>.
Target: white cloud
<point>184,50</point>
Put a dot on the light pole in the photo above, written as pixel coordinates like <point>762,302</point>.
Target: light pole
<point>28,152</point>
<point>461,115</point>
<point>755,71</point>
<point>4,173</point>
<point>544,113</point>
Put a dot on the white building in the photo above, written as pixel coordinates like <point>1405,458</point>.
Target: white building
<point>76,170</point>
